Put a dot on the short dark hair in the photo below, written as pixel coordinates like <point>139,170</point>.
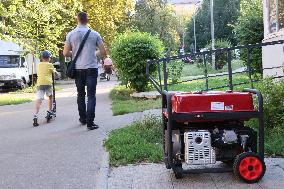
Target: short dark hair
<point>82,17</point>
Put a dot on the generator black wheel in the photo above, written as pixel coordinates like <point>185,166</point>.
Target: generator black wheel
<point>228,162</point>
<point>178,170</point>
<point>249,167</point>
<point>178,175</point>
<point>166,160</point>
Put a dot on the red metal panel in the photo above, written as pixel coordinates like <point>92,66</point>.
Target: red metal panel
<point>216,101</point>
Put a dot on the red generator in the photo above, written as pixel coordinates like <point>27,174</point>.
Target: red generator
<point>202,128</point>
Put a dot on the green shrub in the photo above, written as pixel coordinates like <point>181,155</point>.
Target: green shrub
<point>174,70</point>
<point>273,93</point>
<point>221,58</point>
<point>249,30</point>
<point>130,52</point>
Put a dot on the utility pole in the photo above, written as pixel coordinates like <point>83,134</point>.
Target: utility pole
<point>194,32</point>
<point>212,32</point>
<point>194,26</point>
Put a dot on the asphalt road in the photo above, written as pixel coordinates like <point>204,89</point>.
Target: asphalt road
<point>61,154</point>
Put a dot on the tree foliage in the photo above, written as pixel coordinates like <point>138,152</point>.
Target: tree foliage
<point>37,24</point>
<point>157,18</point>
<point>108,17</point>
<point>226,14</point>
<point>130,51</point>
<point>221,58</point>
<point>250,30</point>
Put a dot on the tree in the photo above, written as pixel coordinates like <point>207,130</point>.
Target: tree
<point>37,24</point>
<point>107,17</point>
<point>158,18</point>
<point>226,14</point>
<point>250,30</point>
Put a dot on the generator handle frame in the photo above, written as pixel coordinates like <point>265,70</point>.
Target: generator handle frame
<point>260,120</point>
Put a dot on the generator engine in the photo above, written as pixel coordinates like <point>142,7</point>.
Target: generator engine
<point>200,147</point>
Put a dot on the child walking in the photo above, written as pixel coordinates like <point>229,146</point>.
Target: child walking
<point>45,71</point>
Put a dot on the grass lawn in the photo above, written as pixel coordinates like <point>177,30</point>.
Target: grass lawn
<point>12,100</point>
<point>194,70</point>
<point>139,142</point>
<point>32,89</point>
<point>122,103</point>
<point>198,85</point>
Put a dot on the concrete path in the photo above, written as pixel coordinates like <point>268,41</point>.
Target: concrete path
<point>156,176</point>
<point>58,155</point>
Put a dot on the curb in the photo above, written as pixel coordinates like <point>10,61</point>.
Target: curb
<point>103,174</point>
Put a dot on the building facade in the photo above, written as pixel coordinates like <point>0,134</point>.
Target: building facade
<point>273,56</point>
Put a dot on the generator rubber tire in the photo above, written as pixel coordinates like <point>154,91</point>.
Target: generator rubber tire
<point>178,175</point>
<point>166,161</point>
<point>228,162</point>
<point>178,172</point>
<point>249,167</point>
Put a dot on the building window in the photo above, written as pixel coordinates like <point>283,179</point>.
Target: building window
<point>276,15</point>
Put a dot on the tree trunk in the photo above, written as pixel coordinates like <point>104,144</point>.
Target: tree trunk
<point>63,66</point>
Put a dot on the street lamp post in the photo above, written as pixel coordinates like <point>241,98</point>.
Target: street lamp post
<point>212,32</point>
<point>194,31</point>
<point>194,26</point>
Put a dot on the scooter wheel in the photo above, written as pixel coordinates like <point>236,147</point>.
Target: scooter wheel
<point>249,167</point>
<point>48,118</point>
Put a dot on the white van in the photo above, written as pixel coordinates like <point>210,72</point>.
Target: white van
<point>14,70</point>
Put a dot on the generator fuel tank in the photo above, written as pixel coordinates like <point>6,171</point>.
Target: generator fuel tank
<point>213,101</point>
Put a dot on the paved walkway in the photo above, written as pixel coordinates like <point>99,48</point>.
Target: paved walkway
<point>59,155</point>
<point>156,176</point>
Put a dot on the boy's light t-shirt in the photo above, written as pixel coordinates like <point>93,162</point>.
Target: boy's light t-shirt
<point>44,73</point>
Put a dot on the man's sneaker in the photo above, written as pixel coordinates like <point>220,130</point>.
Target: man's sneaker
<point>92,126</point>
<point>83,121</point>
<point>35,124</point>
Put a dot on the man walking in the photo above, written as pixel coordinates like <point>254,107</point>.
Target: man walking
<point>86,67</point>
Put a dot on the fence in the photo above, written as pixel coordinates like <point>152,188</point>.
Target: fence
<point>161,80</point>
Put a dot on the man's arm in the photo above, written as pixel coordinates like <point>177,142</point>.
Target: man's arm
<point>102,50</point>
<point>67,50</point>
